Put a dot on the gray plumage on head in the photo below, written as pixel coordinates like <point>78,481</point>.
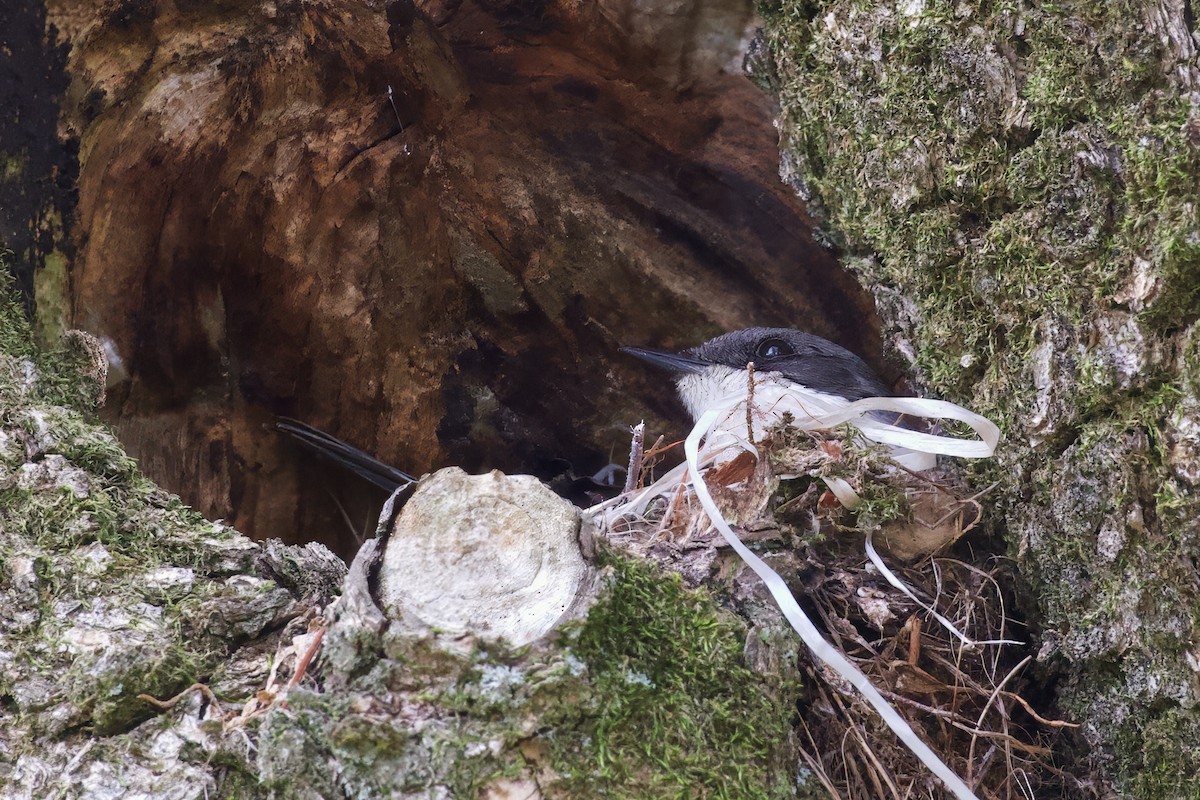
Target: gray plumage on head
<point>816,363</point>
<point>711,370</point>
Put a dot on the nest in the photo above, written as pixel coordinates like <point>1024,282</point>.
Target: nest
<point>930,629</point>
<point>964,699</point>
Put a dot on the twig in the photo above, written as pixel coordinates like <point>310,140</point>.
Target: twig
<point>636,448</point>
<point>167,705</point>
<point>392,100</point>
<point>1025,786</point>
<point>914,640</point>
<point>1050,723</point>
<point>676,502</point>
<point>814,763</point>
<point>651,457</point>
<point>983,713</point>
<point>74,762</point>
<point>973,500</point>
<point>345,517</point>
<point>957,721</point>
<point>659,448</point>
<point>306,659</point>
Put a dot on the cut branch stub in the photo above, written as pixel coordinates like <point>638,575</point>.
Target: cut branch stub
<point>491,555</point>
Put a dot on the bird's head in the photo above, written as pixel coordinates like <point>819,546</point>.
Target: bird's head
<point>710,371</point>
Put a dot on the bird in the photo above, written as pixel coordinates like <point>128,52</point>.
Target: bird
<point>710,372</point>
<point>706,376</point>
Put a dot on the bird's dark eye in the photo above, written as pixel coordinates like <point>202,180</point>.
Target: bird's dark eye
<point>773,348</point>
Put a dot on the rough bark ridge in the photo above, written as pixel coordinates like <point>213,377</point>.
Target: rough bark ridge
<point>112,588</point>
<point>1016,183</point>
<point>442,277</point>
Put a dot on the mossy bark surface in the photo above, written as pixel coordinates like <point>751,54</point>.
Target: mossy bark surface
<point>111,589</point>
<point>112,592</point>
<point>1017,184</point>
<point>650,696</point>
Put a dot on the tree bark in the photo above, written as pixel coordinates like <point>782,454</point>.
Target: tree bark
<point>1017,186</point>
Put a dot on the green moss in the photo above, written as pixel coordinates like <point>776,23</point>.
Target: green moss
<point>60,518</point>
<point>156,671</point>
<point>235,780</point>
<point>1158,743</point>
<point>1160,148</point>
<point>16,334</point>
<point>988,220</point>
<point>67,375</point>
<point>50,287</point>
<point>1085,58</point>
<point>82,529</point>
<point>133,527</point>
<point>66,378</point>
<point>649,697</point>
<point>679,712</point>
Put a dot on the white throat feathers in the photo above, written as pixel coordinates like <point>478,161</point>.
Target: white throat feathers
<point>719,386</point>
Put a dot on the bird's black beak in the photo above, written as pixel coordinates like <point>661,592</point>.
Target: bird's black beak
<point>675,362</point>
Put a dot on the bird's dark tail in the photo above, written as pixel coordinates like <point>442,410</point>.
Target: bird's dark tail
<point>349,456</point>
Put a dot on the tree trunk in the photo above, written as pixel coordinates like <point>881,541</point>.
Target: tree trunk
<point>263,231</point>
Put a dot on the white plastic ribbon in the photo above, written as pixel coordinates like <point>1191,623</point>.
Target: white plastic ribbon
<point>800,622</point>
<point>743,416</point>
<point>774,397</point>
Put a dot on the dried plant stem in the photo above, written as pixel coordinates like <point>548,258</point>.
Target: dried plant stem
<point>636,449</point>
